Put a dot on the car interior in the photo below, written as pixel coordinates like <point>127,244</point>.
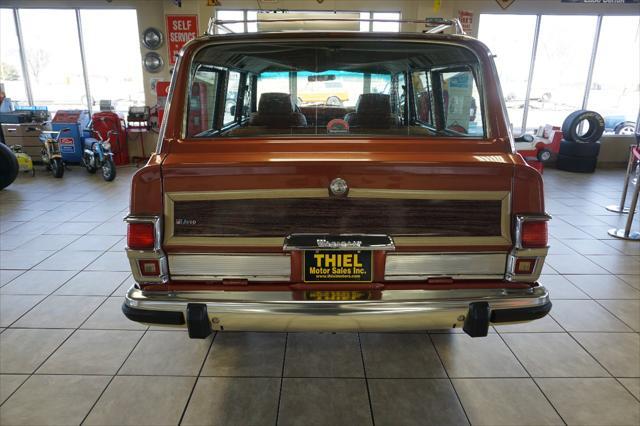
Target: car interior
<point>282,89</point>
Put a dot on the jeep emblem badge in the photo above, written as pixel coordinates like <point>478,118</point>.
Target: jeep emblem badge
<point>338,187</point>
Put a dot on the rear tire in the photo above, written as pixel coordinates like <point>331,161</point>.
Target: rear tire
<point>109,170</point>
<point>57,168</point>
<point>593,132</point>
<point>9,166</point>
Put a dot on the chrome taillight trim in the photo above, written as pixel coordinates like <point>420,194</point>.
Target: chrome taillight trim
<point>521,219</point>
<point>155,254</point>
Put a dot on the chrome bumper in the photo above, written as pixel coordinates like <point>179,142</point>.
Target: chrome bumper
<point>278,311</point>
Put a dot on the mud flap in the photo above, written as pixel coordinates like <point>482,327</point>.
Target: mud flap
<point>476,324</point>
<point>198,321</point>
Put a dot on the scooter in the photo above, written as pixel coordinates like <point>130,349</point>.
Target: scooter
<point>51,155</point>
<point>97,154</point>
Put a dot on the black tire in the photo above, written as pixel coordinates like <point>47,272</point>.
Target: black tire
<point>544,155</point>
<point>626,128</point>
<point>109,170</point>
<point>575,149</point>
<point>8,166</point>
<point>576,164</point>
<point>592,134</point>
<point>57,168</point>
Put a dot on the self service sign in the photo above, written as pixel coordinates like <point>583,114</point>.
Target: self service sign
<point>180,29</point>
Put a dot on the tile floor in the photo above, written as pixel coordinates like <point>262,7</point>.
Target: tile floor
<point>68,355</point>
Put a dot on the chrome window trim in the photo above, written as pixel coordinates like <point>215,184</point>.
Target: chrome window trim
<point>489,131</point>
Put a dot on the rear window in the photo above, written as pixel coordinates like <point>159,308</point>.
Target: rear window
<point>338,88</point>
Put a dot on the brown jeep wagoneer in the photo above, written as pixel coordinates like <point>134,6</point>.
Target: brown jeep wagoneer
<point>397,203</point>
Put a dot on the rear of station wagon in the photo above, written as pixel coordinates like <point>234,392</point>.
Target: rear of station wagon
<point>396,203</point>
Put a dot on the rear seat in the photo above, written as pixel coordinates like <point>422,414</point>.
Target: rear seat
<point>275,110</point>
<point>373,110</point>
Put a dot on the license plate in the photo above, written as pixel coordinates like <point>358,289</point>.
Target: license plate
<point>337,295</point>
<point>337,266</point>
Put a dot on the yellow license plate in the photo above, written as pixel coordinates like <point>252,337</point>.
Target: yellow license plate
<point>338,266</point>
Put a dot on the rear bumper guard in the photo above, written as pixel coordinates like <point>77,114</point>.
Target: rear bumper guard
<point>203,312</point>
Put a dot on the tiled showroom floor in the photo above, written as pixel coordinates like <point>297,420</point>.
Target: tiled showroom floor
<point>68,355</point>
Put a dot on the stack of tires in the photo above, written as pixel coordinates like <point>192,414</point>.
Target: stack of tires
<point>580,145</point>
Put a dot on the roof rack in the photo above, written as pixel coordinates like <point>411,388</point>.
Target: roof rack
<point>433,25</point>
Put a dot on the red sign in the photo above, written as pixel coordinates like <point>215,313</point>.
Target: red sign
<point>466,20</point>
<point>180,29</point>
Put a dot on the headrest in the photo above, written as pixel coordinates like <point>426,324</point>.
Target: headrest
<point>275,103</point>
<point>374,103</point>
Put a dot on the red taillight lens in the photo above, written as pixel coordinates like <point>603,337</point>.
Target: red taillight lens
<point>534,234</point>
<point>140,236</point>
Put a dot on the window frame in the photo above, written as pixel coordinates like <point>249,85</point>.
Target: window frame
<point>476,68</point>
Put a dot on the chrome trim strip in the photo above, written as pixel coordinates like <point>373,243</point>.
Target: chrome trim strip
<point>254,267</point>
<point>278,311</point>
<point>420,266</point>
<point>338,242</point>
<point>169,101</point>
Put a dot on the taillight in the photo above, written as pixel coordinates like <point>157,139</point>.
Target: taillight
<point>534,234</point>
<point>140,236</point>
<point>149,267</point>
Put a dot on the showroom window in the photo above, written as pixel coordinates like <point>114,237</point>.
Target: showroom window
<point>379,20</point>
<point>114,74</point>
<point>550,66</point>
<point>56,76</point>
<point>11,74</point>
<point>561,68</point>
<point>512,59</point>
<point>381,25</point>
<point>614,86</point>
<point>54,63</point>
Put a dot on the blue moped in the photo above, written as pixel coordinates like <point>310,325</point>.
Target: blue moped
<point>97,154</point>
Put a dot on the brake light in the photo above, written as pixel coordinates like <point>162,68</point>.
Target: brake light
<point>534,234</point>
<point>140,236</point>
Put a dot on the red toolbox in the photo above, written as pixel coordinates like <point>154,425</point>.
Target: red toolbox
<point>107,120</point>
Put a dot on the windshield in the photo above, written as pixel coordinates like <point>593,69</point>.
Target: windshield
<point>334,88</point>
